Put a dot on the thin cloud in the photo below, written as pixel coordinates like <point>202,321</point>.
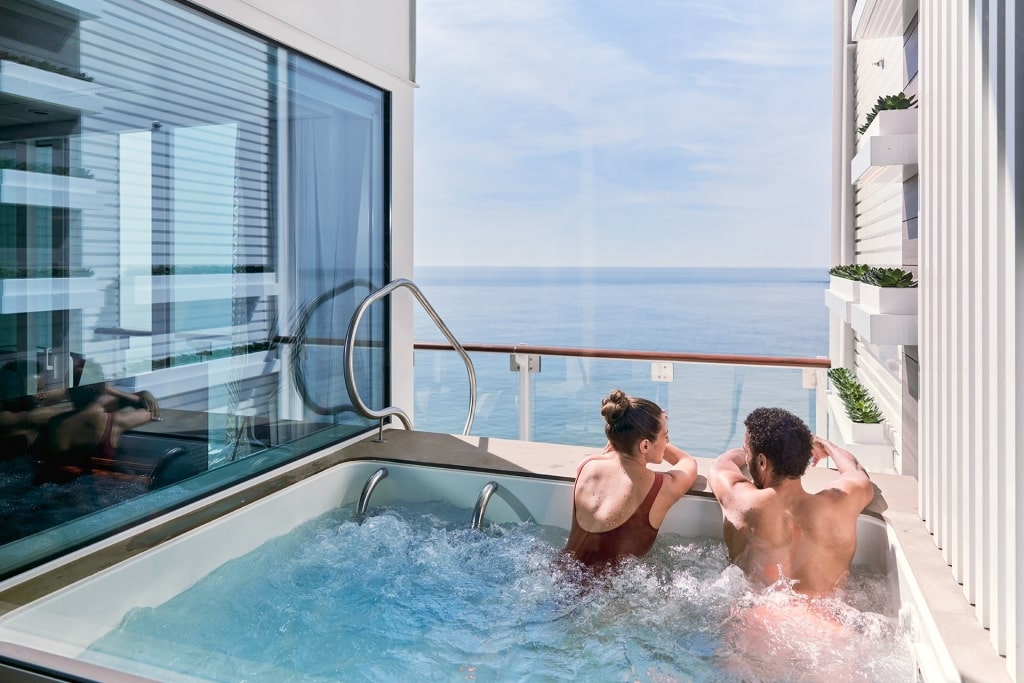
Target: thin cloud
<point>552,121</point>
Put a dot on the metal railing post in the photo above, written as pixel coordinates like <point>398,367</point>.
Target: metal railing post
<point>525,363</point>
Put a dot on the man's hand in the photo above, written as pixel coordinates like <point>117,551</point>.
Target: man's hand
<point>819,451</point>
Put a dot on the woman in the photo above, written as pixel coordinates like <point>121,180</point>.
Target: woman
<point>618,503</point>
<point>92,431</point>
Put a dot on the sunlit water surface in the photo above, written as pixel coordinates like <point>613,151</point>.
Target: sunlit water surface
<point>415,594</point>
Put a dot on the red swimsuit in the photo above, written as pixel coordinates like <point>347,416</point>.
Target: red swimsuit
<point>635,536</point>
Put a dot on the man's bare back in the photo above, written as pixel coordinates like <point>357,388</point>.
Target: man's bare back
<point>773,527</point>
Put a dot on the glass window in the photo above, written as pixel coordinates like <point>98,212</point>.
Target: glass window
<point>188,218</point>
<point>910,56</point>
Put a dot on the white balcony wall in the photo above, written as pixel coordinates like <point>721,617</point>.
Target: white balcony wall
<point>878,71</point>
<point>875,229</point>
<point>878,224</point>
<point>972,269</point>
<point>350,34</point>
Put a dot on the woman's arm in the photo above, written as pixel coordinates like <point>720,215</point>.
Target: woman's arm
<point>683,474</point>
<point>140,399</point>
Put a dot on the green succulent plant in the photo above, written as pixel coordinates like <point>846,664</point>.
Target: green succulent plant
<point>44,65</point>
<point>841,378</point>
<point>858,403</point>
<point>885,103</point>
<point>45,168</point>
<point>864,411</point>
<point>889,277</point>
<point>853,271</point>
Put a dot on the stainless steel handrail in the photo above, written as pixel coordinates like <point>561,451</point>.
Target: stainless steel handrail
<point>364,498</point>
<point>481,504</point>
<point>350,339</point>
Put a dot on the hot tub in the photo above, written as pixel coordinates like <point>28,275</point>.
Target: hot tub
<point>56,631</point>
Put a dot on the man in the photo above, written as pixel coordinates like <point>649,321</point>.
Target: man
<point>773,527</point>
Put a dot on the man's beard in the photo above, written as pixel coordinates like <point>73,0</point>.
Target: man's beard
<point>759,483</point>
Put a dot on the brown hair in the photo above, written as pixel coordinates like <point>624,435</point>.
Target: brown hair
<point>629,420</point>
<point>782,437</point>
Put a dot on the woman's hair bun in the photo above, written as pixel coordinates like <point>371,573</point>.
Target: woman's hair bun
<point>614,406</point>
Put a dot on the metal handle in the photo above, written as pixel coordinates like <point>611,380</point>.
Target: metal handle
<point>350,340</point>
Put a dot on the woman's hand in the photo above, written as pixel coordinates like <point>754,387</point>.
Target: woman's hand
<point>148,401</point>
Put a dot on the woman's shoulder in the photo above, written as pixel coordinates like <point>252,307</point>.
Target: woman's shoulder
<point>596,461</point>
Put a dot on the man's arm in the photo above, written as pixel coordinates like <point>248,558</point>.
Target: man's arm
<point>853,478</point>
<point>726,477</point>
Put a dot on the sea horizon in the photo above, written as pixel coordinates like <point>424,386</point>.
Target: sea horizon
<point>734,311</point>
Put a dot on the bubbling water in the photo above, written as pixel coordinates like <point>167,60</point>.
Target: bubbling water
<point>415,594</point>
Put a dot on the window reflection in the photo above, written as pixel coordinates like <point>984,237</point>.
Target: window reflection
<point>173,193</point>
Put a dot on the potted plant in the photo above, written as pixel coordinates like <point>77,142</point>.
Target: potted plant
<point>889,290</point>
<point>856,414</point>
<point>844,280</point>
<point>892,125</point>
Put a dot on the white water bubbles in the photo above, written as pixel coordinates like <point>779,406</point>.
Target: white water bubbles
<point>413,593</point>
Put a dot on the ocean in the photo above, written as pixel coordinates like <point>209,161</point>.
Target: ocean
<point>751,311</point>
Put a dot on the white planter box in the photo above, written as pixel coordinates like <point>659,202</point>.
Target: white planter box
<point>885,158</point>
<point>887,151</point>
<point>46,87</point>
<point>893,122</point>
<point>900,300</point>
<point>853,432</point>
<point>844,287</point>
<point>890,329</point>
<point>839,306</point>
<point>45,189</point>
<point>161,288</point>
<point>37,294</point>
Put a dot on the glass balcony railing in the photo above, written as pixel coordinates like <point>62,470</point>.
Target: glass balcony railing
<point>554,394</point>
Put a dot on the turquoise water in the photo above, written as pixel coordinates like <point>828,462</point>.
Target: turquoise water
<point>414,594</point>
<point>766,312</point>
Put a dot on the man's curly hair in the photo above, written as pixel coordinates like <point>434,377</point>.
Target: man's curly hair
<point>783,438</point>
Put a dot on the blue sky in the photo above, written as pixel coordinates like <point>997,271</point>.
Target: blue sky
<point>606,133</point>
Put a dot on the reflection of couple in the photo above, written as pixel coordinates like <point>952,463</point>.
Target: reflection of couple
<point>773,528</point>
<point>91,432</point>
<point>65,429</point>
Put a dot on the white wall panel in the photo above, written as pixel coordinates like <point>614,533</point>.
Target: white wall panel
<point>873,79</point>
<point>970,274</point>
<point>366,39</point>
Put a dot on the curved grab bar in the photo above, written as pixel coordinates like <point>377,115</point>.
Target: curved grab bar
<point>350,340</point>
<point>364,498</point>
<point>481,504</point>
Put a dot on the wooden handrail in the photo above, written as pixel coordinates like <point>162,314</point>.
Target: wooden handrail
<point>616,354</point>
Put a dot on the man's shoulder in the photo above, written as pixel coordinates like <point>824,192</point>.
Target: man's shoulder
<point>746,498</point>
<point>835,502</point>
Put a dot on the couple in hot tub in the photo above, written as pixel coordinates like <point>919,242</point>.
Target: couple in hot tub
<point>772,526</point>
